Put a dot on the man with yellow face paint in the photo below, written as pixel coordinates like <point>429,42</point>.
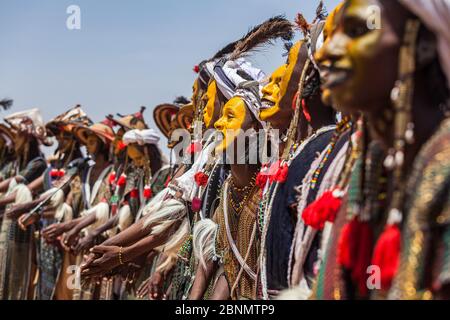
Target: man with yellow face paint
<point>174,221</point>
<point>235,78</point>
<point>304,135</point>
<point>238,115</point>
<point>210,106</point>
<point>405,131</point>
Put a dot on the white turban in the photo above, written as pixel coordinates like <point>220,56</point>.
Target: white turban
<point>250,92</point>
<point>228,79</point>
<point>141,137</point>
<point>435,14</point>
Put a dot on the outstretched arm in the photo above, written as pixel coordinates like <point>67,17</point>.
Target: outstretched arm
<point>202,279</point>
<point>107,257</point>
<point>88,241</point>
<point>69,239</point>
<point>33,186</point>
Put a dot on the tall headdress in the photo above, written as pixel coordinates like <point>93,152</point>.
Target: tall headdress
<point>29,122</point>
<point>68,120</point>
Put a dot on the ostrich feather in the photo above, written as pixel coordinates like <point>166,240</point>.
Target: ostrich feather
<point>264,34</point>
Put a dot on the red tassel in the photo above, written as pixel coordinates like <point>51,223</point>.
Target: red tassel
<point>196,69</point>
<point>322,210</point>
<point>365,245</point>
<point>344,246</point>
<point>56,174</point>
<point>147,192</point>
<point>282,173</point>
<point>201,179</point>
<point>354,251</point>
<point>386,254</point>
<point>134,194</point>
<point>306,111</point>
<point>121,145</point>
<point>261,180</point>
<point>112,177</point>
<point>122,180</point>
<point>273,171</point>
<point>196,204</point>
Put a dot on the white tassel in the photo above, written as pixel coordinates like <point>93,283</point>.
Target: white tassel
<point>300,292</point>
<point>101,212</point>
<point>155,203</point>
<point>64,213</point>
<point>164,215</point>
<point>175,241</point>
<point>204,241</point>
<point>125,217</point>
<point>23,194</point>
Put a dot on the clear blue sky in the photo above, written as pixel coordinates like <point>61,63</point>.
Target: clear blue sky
<point>127,53</point>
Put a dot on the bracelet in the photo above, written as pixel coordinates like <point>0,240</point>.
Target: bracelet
<point>120,256</point>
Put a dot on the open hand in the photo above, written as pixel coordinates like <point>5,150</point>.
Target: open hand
<point>106,259</point>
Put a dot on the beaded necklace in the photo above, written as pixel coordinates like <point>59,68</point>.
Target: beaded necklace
<point>239,202</point>
<point>341,128</point>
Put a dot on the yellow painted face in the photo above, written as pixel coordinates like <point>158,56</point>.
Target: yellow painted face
<point>136,155</point>
<point>350,59</point>
<point>271,94</point>
<point>209,99</point>
<point>292,63</point>
<point>93,144</point>
<point>280,113</point>
<point>230,123</point>
<point>328,31</point>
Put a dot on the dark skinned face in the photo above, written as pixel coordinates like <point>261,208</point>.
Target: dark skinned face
<point>360,64</point>
<point>65,141</point>
<point>93,144</point>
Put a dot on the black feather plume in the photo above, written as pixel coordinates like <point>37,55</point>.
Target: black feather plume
<point>263,34</point>
<point>181,100</point>
<point>229,48</point>
<point>6,104</point>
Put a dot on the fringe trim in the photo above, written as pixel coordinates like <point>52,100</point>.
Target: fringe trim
<point>204,241</point>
